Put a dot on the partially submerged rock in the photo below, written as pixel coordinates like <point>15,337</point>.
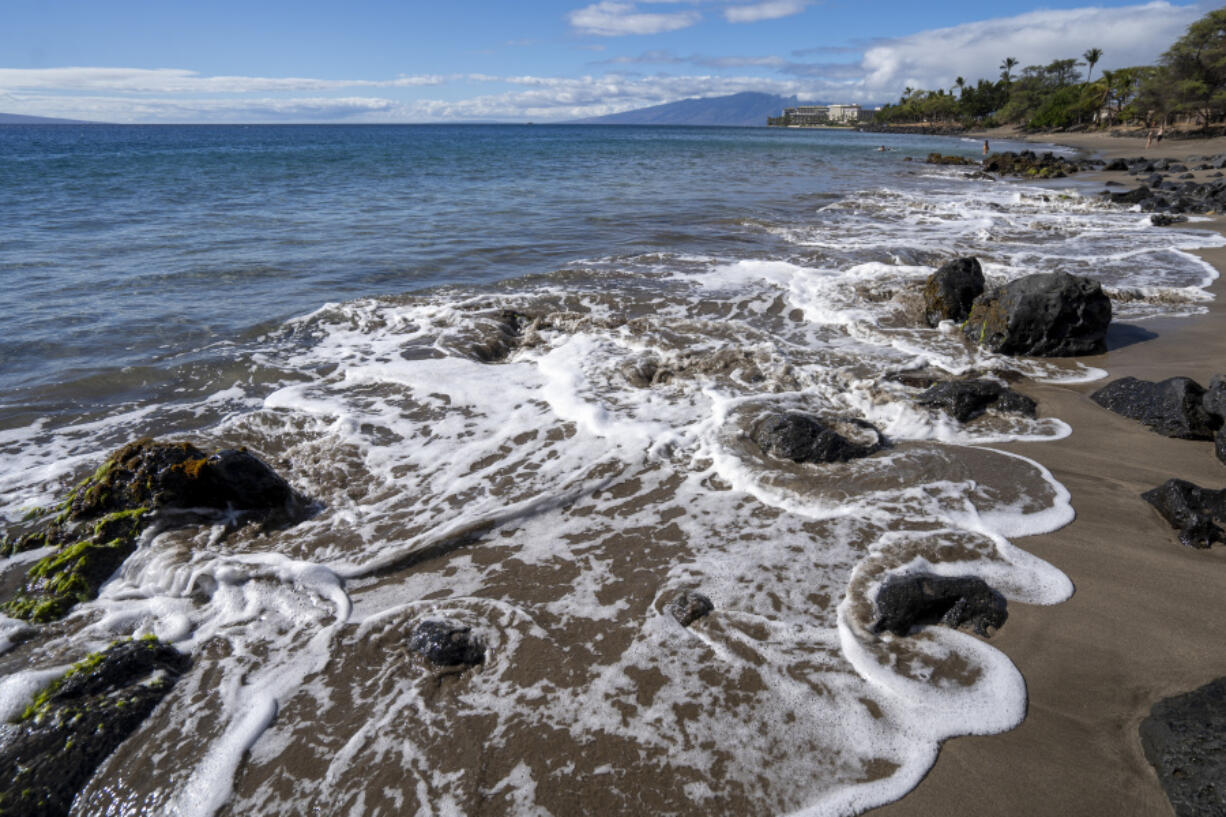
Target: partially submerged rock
<point>51,752</point>
<point>100,522</point>
<point>802,438</point>
<point>689,606</point>
<point>1044,315</point>
<point>908,601</point>
<point>965,400</point>
<point>1184,739</point>
<point>950,291</point>
<point>1190,509</point>
<point>938,159</point>
<point>446,643</point>
<point>1173,407</point>
<point>1030,164</point>
<point>501,334</point>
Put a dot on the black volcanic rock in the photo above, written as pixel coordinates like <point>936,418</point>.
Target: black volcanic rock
<point>802,438</point>
<point>1184,739</point>
<point>1043,315</point>
<point>950,291</point>
<point>1172,407</point>
<point>908,601</point>
<point>446,643</point>
<point>689,606</point>
<point>52,750</point>
<point>1190,509</point>
<point>965,400</point>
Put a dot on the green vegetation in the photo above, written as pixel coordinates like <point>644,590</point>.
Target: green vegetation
<point>1187,86</point>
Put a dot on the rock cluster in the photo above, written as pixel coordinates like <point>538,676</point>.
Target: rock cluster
<point>1034,165</point>
<point>938,159</point>
<point>1176,191</point>
<point>77,722</point>
<point>908,601</point>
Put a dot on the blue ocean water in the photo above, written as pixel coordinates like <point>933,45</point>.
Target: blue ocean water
<point>127,245</point>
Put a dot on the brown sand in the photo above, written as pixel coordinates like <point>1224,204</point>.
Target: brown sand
<point>1147,618</point>
<point>1109,146</point>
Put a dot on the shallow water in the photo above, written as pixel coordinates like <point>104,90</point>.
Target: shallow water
<point>551,477</point>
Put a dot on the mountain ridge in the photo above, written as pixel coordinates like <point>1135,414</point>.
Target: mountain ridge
<point>747,109</point>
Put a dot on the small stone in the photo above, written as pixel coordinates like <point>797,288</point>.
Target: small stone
<point>446,643</point>
<point>908,601</point>
<point>689,606</point>
<point>802,438</point>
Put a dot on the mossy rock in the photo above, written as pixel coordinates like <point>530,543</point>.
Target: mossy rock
<point>97,526</point>
<point>78,721</point>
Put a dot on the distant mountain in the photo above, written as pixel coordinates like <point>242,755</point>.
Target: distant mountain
<point>744,110</point>
<point>21,119</point>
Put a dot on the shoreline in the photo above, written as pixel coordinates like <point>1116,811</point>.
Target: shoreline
<point>1143,622</point>
<point>1106,146</point>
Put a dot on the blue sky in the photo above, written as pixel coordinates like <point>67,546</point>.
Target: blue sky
<point>409,61</point>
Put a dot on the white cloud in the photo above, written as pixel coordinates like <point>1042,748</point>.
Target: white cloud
<point>176,81</point>
<point>609,18</point>
<point>1131,35</point>
<point>769,10</point>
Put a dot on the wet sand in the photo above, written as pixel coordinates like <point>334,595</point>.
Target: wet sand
<point>1146,620</point>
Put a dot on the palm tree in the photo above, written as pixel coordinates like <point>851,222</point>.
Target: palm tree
<point>961,83</point>
<point>1006,67</point>
<point>1091,57</point>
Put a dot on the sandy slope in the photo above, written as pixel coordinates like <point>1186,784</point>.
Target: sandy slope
<point>1148,615</point>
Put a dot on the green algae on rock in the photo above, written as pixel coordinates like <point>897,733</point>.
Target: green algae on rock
<point>100,522</point>
<point>74,724</point>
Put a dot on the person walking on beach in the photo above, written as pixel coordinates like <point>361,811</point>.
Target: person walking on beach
<point>985,147</point>
<point>1149,139</point>
<point>1161,131</point>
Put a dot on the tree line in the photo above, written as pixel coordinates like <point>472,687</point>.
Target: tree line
<point>1188,83</point>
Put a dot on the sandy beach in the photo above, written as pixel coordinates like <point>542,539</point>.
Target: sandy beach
<point>1146,617</point>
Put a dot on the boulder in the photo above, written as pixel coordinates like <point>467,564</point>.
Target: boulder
<point>1166,219</point>
<point>97,526</point>
<point>1184,739</point>
<point>1172,407</point>
<point>446,643</point>
<point>802,438</point>
<point>1214,400</point>
<point>965,400</point>
<point>52,750</point>
<point>689,606</point>
<point>938,159</point>
<point>1190,509</point>
<point>1116,164</point>
<point>908,601</point>
<point>1045,315</point>
<point>950,290</point>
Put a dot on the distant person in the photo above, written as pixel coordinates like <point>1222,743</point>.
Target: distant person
<point>1149,139</point>
<point>1161,132</point>
<point>881,149</point>
<point>985,147</point>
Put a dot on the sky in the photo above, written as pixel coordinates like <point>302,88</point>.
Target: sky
<point>498,60</point>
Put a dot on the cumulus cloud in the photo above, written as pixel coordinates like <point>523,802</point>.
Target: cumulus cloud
<point>659,57</point>
<point>769,10</point>
<point>610,18</point>
<point>1130,35</point>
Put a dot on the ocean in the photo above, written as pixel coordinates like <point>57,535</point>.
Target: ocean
<point>518,368</point>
